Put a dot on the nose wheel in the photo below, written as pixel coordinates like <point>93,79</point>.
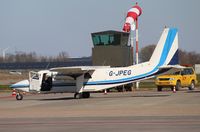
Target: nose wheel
<point>19,96</point>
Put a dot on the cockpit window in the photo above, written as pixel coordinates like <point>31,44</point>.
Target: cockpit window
<point>36,77</point>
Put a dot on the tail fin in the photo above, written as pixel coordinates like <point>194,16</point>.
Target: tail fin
<point>166,51</point>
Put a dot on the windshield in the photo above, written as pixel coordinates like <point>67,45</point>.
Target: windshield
<point>34,75</point>
<point>106,39</point>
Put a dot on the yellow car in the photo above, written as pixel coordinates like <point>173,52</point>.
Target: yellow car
<point>184,78</point>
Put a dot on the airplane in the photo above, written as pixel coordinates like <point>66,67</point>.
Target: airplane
<point>83,80</point>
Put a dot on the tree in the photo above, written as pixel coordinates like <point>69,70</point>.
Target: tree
<point>185,57</point>
<point>189,57</point>
<point>146,52</point>
<point>62,56</point>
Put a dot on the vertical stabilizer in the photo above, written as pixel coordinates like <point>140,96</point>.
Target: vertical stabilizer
<point>166,51</point>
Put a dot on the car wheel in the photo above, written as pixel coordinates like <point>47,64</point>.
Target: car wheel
<point>178,85</point>
<point>192,86</point>
<point>172,88</point>
<point>159,88</point>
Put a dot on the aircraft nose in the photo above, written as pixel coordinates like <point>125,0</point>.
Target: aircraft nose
<point>22,85</point>
<point>13,86</point>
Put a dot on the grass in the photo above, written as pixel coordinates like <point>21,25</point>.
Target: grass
<point>147,84</point>
<point>5,88</point>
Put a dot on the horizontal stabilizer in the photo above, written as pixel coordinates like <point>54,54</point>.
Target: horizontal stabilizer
<point>170,69</point>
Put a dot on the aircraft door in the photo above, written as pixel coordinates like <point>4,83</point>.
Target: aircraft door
<point>46,82</point>
<point>34,80</point>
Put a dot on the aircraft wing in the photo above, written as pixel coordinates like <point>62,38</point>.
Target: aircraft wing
<point>169,69</point>
<point>75,71</point>
<point>72,70</point>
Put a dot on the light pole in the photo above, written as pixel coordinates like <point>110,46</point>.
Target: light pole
<point>137,48</point>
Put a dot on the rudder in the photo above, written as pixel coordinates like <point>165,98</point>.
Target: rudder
<point>166,51</point>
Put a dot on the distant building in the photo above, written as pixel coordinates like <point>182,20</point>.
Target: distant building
<point>197,68</point>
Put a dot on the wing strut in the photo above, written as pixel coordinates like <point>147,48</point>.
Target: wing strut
<point>79,84</point>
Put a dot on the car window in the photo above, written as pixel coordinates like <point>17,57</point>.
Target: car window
<point>190,71</point>
<point>187,71</point>
<point>183,72</point>
<point>176,73</point>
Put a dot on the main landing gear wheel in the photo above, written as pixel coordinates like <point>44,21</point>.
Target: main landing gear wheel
<point>78,95</point>
<point>86,95</point>
<point>82,95</point>
<point>19,96</point>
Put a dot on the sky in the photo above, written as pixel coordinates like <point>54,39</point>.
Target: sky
<point>48,27</point>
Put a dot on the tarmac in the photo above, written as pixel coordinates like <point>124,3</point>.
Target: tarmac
<point>143,111</point>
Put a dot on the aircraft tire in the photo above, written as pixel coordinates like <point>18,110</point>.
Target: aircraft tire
<point>159,88</point>
<point>78,95</point>
<point>82,95</point>
<point>86,95</point>
<point>19,96</point>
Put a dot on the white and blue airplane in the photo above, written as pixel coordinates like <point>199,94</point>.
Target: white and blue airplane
<point>85,79</point>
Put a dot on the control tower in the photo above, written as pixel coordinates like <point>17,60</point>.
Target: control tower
<point>111,49</point>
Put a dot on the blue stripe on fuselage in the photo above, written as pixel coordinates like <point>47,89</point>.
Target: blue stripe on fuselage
<point>19,86</point>
<point>167,46</point>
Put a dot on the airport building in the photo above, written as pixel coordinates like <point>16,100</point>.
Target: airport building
<point>111,49</point>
